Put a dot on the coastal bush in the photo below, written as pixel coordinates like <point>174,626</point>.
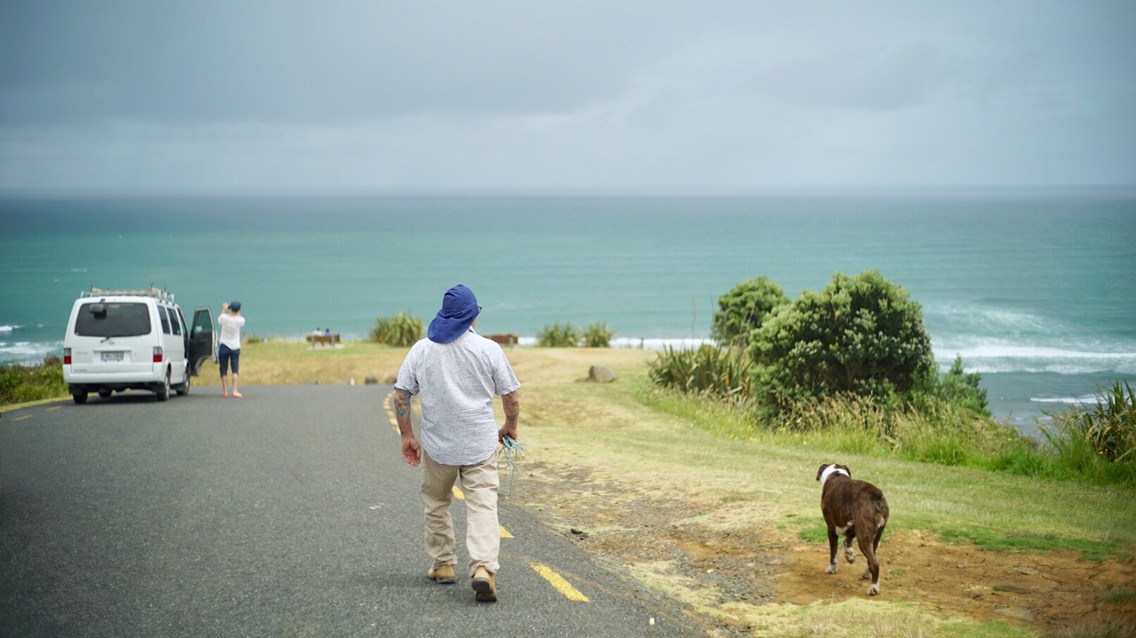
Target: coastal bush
<point>21,384</point>
<point>743,309</point>
<point>597,335</point>
<point>703,370</point>
<point>559,336</point>
<point>963,389</point>
<point>861,335</point>
<point>400,330</point>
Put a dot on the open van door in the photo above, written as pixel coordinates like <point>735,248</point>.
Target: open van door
<point>202,340</point>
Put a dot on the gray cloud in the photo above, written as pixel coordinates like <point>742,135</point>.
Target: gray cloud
<point>583,95</point>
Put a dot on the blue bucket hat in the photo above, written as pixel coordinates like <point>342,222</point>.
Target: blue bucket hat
<point>459,309</point>
<point>236,305</point>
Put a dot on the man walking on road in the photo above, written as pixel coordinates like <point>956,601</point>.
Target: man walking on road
<point>456,374</point>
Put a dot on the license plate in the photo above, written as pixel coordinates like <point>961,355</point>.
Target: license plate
<point>112,356</point>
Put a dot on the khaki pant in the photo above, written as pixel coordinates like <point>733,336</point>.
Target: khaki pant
<point>479,484</point>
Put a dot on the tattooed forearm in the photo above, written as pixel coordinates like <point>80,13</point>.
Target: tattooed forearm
<point>402,410</point>
<point>512,406</point>
<point>401,402</point>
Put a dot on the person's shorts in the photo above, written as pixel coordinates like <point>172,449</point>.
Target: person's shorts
<point>226,355</point>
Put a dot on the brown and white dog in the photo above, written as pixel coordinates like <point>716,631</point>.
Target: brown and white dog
<point>857,510</point>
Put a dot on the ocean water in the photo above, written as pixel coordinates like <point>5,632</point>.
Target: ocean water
<point>1036,291</point>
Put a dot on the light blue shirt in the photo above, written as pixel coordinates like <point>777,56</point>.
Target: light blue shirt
<point>456,383</point>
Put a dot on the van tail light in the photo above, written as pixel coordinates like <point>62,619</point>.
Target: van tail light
<point>157,354</point>
<point>67,356</point>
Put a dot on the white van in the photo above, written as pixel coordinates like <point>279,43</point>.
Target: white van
<point>134,340</point>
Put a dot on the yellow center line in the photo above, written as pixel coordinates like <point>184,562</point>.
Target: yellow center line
<point>53,409</point>
<point>390,413</point>
<point>21,418</point>
<point>558,583</point>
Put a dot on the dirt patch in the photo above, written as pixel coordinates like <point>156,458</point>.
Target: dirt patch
<point>1049,591</point>
<point>721,568</point>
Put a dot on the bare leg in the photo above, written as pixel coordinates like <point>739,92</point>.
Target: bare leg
<point>224,386</point>
<point>235,393</point>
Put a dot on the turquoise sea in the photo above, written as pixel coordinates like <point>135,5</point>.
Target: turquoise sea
<point>1035,290</point>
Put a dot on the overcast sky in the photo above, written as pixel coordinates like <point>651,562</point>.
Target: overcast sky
<point>605,96</point>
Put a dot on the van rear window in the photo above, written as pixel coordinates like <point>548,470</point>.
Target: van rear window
<point>102,319</point>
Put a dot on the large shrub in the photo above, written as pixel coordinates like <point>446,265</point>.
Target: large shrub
<point>400,330</point>
<point>744,308</point>
<point>860,336</point>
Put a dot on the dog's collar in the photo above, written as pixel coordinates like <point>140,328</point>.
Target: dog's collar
<point>829,471</point>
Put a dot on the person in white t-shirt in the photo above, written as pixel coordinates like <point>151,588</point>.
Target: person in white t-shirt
<point>229,350</point>
<point>456,373</point>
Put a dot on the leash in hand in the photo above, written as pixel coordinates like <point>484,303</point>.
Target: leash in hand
<point>510,454</point>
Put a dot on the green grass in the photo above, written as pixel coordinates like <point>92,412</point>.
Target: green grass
<point>953,502</point>
<point>1001,541</point>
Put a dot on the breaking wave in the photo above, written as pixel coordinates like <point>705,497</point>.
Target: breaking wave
<point>1001,357</point>
<point>28,352</point>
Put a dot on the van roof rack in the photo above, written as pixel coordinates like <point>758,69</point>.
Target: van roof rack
<point>157,293</point>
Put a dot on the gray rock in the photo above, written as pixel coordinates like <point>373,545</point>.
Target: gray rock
<point>601,374</point>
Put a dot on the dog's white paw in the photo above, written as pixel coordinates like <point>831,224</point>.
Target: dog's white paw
<point>867,573</point>
<point>831,569</point>
<point>849,554</point>
<point>874,590</point>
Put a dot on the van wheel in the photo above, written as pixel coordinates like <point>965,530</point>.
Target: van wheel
<point>104,393</point>
<point>183,389</point>
<point>164,389</point>
<point>79,397</point>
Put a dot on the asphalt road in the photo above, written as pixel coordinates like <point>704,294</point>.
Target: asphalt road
<point>286,513</point>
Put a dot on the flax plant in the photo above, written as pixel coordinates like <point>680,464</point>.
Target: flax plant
<point>1099,439</point>
<point>559,336</point>
<point>706,369</point>
<point>400,330</point>
<point>597,335</point>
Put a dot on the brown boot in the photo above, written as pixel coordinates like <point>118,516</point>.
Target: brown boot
<point>443,574</point>
<point>484,586</point>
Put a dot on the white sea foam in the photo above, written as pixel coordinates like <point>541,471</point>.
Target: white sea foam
<point>658,343</point>
<point>638,343</point>
<point>1065,400</point>
<point>9,328</point>
<point>27,352</point>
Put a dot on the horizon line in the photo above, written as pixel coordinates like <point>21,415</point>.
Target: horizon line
<point>818,191</point>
